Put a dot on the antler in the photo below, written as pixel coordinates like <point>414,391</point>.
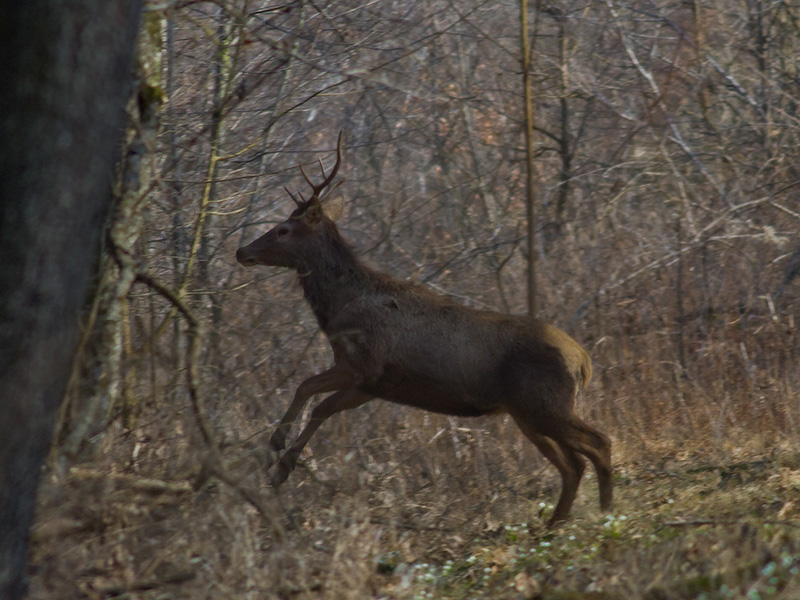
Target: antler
<point>319,188</point>
<point>296,201</point>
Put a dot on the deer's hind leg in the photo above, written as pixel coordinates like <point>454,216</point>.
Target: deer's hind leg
<point>565,459</point>
<point>597,448</point>
<point>341,400</point>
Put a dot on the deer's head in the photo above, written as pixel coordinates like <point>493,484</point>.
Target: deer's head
<point>289,244</point>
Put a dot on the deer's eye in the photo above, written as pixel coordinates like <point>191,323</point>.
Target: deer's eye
<point>283,231</point>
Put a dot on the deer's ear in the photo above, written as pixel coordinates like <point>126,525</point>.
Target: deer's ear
<point>333,207</point>
<point>313,214</point>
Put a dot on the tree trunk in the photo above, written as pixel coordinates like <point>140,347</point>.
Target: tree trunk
<point>65,71</point>
<point>96,386</point>
<point>529,150</point>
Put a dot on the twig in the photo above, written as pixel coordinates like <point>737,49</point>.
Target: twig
<point>195,334</point>
<point>142,484</point>
<point>117,589</point>
<point>212,465</point>
<point>701,522</point>
<point>700,239</point>
<point>410,525</point>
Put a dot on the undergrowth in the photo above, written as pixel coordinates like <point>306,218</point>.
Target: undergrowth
<point>687,523</point>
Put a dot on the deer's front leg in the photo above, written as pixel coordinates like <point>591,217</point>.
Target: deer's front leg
<point>341,400</point>
<point>338,377</point>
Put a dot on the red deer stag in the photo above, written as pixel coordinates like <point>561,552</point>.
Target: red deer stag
<point>398,341</point>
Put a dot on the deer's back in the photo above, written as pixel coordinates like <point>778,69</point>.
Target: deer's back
<point>411,344</point>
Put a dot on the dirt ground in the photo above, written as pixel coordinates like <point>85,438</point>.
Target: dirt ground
<point>687,523</point>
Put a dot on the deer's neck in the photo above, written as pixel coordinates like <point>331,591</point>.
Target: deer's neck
<point>332,278</point>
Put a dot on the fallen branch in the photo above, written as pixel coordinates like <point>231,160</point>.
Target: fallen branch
<point>141,484</point>
<point>118,589</point>
<point>702,522</point>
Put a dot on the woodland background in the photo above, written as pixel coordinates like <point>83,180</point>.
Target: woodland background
<point>667,145</point>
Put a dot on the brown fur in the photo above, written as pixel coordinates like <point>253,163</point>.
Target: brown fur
<point>400,342</point>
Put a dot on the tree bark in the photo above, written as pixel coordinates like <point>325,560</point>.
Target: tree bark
<point>65,70</point>
<point>96,388</point>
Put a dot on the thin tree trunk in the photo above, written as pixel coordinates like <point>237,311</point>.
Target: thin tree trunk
<point>530,179</point>
<point>565,149</point>
<point>177,233</point>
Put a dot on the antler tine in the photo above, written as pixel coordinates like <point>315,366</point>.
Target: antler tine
<point>326,178</point>
<point>296,201</point>
<point>307,178</point>
<point>330,177</point>
<point>338,159</point>
<point>322,168</point>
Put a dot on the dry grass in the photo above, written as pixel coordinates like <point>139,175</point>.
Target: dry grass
<point>394,503</point>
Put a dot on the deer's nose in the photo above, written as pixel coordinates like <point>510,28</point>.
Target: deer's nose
<point>245,258</point>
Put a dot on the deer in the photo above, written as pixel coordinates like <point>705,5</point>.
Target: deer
<point>398,341</point>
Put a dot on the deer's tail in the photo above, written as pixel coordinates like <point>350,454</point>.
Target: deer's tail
<point>586,371</point>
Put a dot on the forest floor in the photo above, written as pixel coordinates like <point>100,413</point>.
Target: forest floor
<point>685,525</point>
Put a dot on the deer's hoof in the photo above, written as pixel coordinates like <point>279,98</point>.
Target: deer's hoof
<point>281,474</point>
<point>278,441</point>
<point>556,520</point>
